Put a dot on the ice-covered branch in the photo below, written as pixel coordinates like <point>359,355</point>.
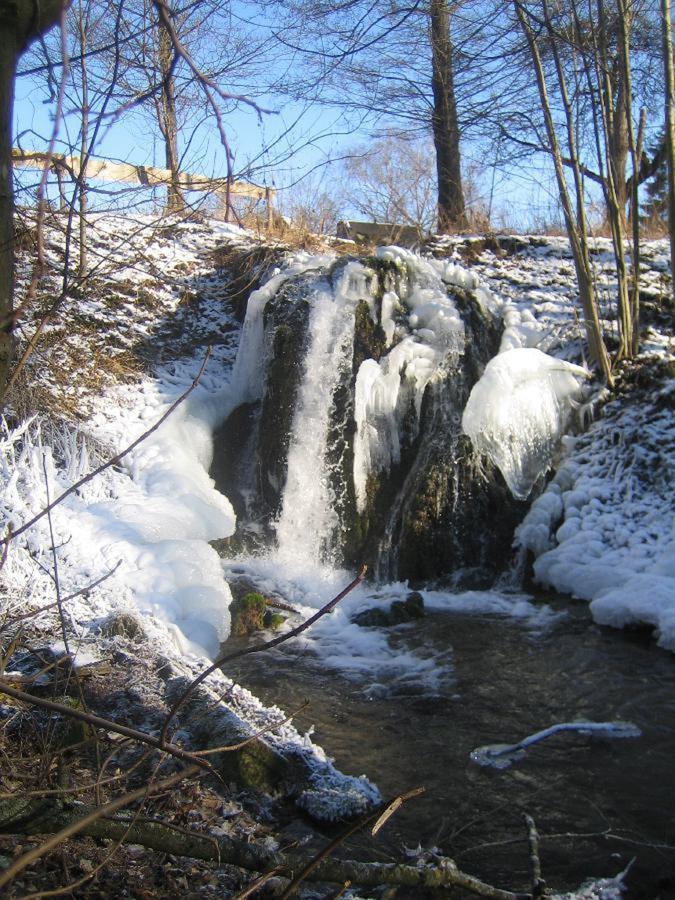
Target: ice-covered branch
<point>501,756</point>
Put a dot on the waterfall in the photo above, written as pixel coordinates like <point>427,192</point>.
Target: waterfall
<point>308,521</point>
<point>351,380</point>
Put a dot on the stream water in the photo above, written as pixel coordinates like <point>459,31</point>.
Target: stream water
<point>597,802</point>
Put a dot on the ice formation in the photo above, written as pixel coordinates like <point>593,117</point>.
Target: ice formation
<point>430,336</point>
<point>604,529</point>
<point>518,412</point>
<point>501,756</point>
<point>305,527</point>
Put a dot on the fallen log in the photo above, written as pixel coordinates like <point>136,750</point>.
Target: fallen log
<point>31,816</point>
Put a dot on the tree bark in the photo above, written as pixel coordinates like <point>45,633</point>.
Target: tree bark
<point>575,225</point>
<point>84,144</point>
<point>168,120</point>
<point>22,816</point>
<point>451,209</point>
<point>669,126</point>
<point>20,22</point>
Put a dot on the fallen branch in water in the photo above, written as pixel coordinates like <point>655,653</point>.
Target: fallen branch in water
<point>538,883</point>
<point>39,817</point>
<point>501,756</point>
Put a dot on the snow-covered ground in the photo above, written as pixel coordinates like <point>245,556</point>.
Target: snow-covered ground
<point>135,539</point>
<point>603,530</point>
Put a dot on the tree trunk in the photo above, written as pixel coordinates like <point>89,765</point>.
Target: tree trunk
<point>84,144</point>
<point>576,226</point>
<point>168,120</point>
<point>20,21</point>
<point>669,127</point>
<point>618,138</point>
<point>451,210</point>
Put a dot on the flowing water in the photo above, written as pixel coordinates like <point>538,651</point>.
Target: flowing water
<point>352,379</point>
<point>597,802</point>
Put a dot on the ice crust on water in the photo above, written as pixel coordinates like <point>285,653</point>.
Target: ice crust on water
<point>502,756</point>
<point>518,411</point>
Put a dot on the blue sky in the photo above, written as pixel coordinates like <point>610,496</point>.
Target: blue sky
<point>522,197</point>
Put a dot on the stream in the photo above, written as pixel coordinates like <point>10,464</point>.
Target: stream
<point>597,802</point>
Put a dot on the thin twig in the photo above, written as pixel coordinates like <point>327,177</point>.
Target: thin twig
<point>75,827</point>
<point>106,724</point>
<point>258,883</point>
<point>387,809</point>
<point>253,737</point>
<point>68,597</point>
<point>538,883</point>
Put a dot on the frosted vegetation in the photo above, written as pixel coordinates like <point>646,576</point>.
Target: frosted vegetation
<point>600,524</point>
<point>600,520</point>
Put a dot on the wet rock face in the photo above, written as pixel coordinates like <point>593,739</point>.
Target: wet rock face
<point>251,445</point>
<point>459,514</point>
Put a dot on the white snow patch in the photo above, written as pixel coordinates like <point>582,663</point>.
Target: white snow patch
<point>604,529</point>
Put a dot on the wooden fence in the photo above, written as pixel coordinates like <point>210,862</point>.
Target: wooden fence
<point>146,176</point>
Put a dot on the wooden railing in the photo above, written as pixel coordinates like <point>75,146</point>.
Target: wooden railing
<point>148,176</point>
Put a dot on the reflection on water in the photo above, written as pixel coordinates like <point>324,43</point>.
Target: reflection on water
<point>596,802</point>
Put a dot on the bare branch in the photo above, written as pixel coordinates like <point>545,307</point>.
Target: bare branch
<point>268,645</point>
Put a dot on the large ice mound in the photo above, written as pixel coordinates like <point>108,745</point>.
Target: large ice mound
<point>519,410</point>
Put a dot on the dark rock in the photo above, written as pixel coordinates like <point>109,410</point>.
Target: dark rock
<point>399,612</point>
<point>372,618</point>
<point>415,605</point>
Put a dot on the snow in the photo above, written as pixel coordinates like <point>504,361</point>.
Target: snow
<point>502,756</point>
<point>604,529</point>
<point>307,518</point>
<point>518,412</point>
<point>433,338</point>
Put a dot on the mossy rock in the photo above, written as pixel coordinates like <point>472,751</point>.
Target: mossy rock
<point>414,604</point>
<point>273,620</point>
<point>122,625</point>
<point>254,763</point>
<point>248,614</point>
<point>372,618</point>
<point>74,731</point>
<point>400,612</point>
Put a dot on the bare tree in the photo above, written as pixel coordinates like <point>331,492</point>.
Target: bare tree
<point>393,180</point>
<point>20,23</point>
<point>669,124</point>
<point>573,207</point>
<point>412,71</point>
<point>444,120</point>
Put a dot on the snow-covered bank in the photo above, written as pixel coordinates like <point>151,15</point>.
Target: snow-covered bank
<point>604,529</point>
